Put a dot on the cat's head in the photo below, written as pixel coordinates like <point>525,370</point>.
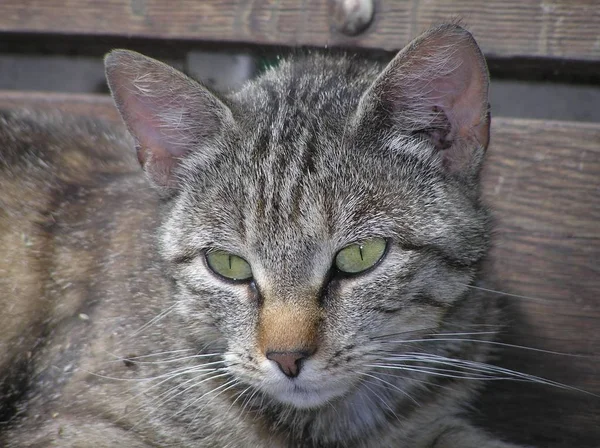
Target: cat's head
<point>322,208</point>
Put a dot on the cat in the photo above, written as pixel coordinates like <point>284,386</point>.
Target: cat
<point>292,267</point>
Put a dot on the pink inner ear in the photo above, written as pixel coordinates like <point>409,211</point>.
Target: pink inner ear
<point>462,95</point>
<point>166,112</point>
<point>160,169</point>
<point>152,133</point>
<point>152,152</point>
<point>438,87</point>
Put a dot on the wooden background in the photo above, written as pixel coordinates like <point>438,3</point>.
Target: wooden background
<point>507,28</point>
<point>542,178</point>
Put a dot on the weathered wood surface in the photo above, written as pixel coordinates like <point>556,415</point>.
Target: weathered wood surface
<point>543,181</point>
<point>511,28</point>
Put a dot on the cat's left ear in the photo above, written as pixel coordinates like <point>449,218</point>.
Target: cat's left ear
<point>169,114</point>
<point>436,88</point>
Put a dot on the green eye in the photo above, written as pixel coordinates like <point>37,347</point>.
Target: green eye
<point>228,265</point>
<point>360,256</point>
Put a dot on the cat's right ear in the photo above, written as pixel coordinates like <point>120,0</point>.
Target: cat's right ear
<point>168,114</point>
<point>435,89</point>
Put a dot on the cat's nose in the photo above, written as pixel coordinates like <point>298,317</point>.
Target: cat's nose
<point>289,362</point>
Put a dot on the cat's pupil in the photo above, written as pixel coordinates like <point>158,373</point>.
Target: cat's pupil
<point>228,265</point>
<point>360,257</point>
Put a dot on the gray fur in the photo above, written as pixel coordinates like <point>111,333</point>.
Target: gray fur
<point>314,155</point>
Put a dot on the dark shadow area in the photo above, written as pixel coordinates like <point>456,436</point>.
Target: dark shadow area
<point>523,88</point>
<point>541,414</point>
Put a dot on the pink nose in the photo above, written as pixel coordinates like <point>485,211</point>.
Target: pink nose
<point>289,362</point>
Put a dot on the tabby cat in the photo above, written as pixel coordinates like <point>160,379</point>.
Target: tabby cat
<point>294,269</point>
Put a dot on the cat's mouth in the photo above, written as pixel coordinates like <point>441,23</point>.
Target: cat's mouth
<point>302,397</point>
<point>304,394</point>
<point>312,388</point>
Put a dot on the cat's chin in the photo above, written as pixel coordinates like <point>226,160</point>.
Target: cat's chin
<point>301,397</point>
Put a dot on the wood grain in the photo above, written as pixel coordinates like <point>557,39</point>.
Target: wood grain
<point>508,28</point>
<point>542,178</point>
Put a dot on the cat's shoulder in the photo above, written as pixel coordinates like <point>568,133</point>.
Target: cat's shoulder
<point>45,144</point>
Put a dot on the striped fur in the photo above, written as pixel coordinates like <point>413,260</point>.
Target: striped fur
<point>135,342</point>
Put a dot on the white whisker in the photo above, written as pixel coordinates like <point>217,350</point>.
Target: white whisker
<point>239,396</point>
<point>222,389</point>
<point>165,395</point>
<point>483,341</point>
<point>171,360</point>
<point>502,293</point>
<point>206,393</point>
<point>381,399</point>
<point>427,383</point>
<point>392,385</point>
<point>158,407</point>
<point>152,321</point>
<point>486,370</point>
<point>168,352</point>
<point>151,378</point>
<point>430,371</point>
<point>248,400</point>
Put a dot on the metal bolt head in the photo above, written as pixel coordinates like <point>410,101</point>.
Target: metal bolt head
<point>351,17</point>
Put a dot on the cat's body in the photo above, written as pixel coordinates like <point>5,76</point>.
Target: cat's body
<point>118,333</point>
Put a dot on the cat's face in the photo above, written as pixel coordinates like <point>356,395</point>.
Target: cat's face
<point>289,225</point>
<point>278,198</point>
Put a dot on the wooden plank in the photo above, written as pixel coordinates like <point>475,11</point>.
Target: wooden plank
<point>542,179</point>
<point>508,28</point>
<point>87,105</point>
